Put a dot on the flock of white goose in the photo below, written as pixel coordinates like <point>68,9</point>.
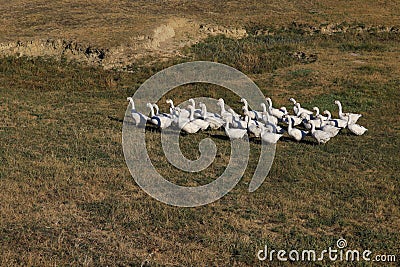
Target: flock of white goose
<point>264,123</point>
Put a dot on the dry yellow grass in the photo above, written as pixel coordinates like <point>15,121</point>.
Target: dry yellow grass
<point>107,23</point>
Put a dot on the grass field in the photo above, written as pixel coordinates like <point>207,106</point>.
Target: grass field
<point>67,197</point>
<point>103,24</point>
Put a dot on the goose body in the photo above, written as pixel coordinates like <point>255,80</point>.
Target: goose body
<point>225,115</point>
<point>138,117</point>
<point>297,134</point>
<point>351,118</point>
<point>189,126</point>
<point>321,136</point>
<point>254,127</point>
<point>335,122</point>
<point>197,112</point>
<point>270,137</point>
<point>161,122</point>
<point>266,117</point>
<point>332,130</point>
<point>234,133</point>
<point>238,123</point>
<point>157,112</point>
<point>274,111</point>
<point>357,129</point>
<point>253,114</point>
<point>295,119</point>
<point>234,114</point>
<point>213,119</point>
<point>205,113</point>
<point>307,121</point>
<point>201,123</point>
<point>173,110</point>
<point>302,110</point>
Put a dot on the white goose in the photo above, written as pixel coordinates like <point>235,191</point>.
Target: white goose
<point>332,130</point>
<point>173,109</point>
<point>138,117</point>
<point>274,111</point>
<point>157,112</point>
<point>206,113</point>
<point>237,122</point>
<point>234,114</point>
<point>186,125</point>
<point>335,122</point>
<point>202,123</point>
<point>297,134</point>
<point>253,114</point>
<point>295,119</point>
<point>215,121</point>
<point>302,110</point>
<point>161,122</point>
<point>197,112</point>
<point>270,137</point>
<point>172,106</point>
<point>320,136</point>
<point>234,133</point>
<point>295,108</point>
<point>227,116</point>
<point>266,117</point>
<point>307,121</point>
<point>351,118</point>
<point>253,126</point>
<point>317,114</point>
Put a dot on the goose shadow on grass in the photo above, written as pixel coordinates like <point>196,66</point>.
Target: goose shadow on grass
<point>111,118</point>
<point>291,140</point>
<point>220,136</point>
<point>255,140</point>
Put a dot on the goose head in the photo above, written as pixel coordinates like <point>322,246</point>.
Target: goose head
<point>328,113</point>
<point>337,102</point>
<point>155,106</point>
<point>284,110</point>
<point>130,99</point>
<point>264,107</point>
<point>316,109</point>
<point>292,100</point>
